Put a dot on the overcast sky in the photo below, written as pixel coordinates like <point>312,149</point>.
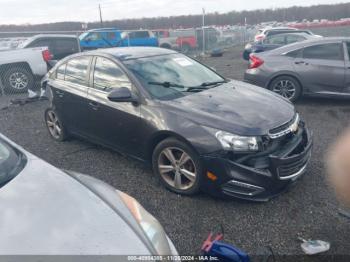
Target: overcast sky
<point>45,11</point>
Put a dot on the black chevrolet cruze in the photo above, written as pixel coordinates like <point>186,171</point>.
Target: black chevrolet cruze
<point>198,130</point>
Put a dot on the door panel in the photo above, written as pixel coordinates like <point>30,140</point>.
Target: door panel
<point>347,68</point>
<point>116,124</point>
<point>321,68</point>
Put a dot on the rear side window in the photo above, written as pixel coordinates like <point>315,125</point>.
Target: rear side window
<point>66,46</point>
<point>294,38</point>
<point>295,53</point>
<point>40,43</point>
<point>77,70</point>
<point>275,40</point>
<point>348,47</point>
<point>61,71</point>
<point>108,75</point>
<point>139,34</point>
<point>326,51</point>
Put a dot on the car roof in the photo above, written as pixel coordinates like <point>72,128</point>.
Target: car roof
<point>128,53</point>
<point>309,42</point>
<point>52,36</point>
<point>102,29</point>
<point>298,33</point>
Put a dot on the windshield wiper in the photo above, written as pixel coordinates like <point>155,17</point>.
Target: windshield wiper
<point>205,85</point>
<point>166,84</point>
<point>213,83</point>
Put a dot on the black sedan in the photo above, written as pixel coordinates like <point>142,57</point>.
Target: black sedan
<point>198,130</point>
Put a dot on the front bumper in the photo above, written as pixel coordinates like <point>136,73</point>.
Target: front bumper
<point>272,174</point>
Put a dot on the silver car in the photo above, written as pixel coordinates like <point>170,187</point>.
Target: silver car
<point>47,211</point>
<point>314,67</point>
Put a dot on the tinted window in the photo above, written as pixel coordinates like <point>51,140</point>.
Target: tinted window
<point>139,34</point>
<point>60,72</point>
<point>40,43</point>
<point>348,47</point>
<point>11,162</point>
<point>108,75</point>
<point>111,35</point>
<point>294,38</point>
<point>66,46</point>
<point>93,37</point>
<point>275,40</point>
<point>295,53</point>
<point>326,51</point>
<point>77,69</point>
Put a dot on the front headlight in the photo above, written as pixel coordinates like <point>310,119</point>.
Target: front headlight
<point>150,226</point>
<point>235,142</point>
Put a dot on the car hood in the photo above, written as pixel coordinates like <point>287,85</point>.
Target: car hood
<point>235,107</point>
<point>44,211</point>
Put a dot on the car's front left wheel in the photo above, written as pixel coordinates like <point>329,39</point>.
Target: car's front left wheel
<point>55,126</point>
<point>178,166</point>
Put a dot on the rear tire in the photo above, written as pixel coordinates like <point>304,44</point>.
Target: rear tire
<point>178,166</point>
<point>18,80</point>
<point>286,86</point>
<point>55,126</point>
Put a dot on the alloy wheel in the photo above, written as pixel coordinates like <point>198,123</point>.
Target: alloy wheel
<point>53,125</point>
<point>177,168</point>
<point>285,88</point>
<point>18,81</point>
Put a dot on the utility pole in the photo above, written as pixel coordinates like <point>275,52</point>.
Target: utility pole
<point>203,31</point>
<point>99,8</point>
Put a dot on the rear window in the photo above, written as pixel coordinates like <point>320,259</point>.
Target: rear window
<point>77,70</point>
<point>331,51</point>
<point>11,162</point>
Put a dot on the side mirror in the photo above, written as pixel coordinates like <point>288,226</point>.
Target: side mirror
<point>122,94</point>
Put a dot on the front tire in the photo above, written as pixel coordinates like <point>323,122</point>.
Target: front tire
<point>55,126</point>
<point>286,86</point>
<point>178,166</point>
<point>18,80</point>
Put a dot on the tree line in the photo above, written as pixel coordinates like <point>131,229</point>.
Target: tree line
<point>295,13</point>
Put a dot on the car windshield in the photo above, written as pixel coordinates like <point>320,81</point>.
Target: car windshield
<point>11,162</point>
<point>168,77</point>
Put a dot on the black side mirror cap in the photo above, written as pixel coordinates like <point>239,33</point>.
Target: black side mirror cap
<point>122,94</point>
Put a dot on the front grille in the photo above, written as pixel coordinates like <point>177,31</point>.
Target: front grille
<point>284,129</point>
<point>290,169</point>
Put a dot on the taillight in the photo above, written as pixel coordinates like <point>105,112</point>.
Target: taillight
<point>255,62</point>
<point>259,37</point>
<point>47,56</point>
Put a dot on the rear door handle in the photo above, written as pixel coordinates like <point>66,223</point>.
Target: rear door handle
<point>300,62</point>
<point>94,105</point>
<point>59,93</point>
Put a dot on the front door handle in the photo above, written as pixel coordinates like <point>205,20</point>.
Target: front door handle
<point>94,105</point>
<point>300,62</point>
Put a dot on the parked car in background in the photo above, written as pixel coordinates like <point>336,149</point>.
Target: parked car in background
<point>100,38</point>
<point>139,38</point>
<point>48,211</point>
<point>59,46</point>
<point>274,41</point>
<point>263,33</point>
<point>313,67</point>
<point>111,37</point>
<point>19,68</point>
<point>198,130</point>
<point>182,40</point>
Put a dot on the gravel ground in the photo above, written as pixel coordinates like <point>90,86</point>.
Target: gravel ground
<point>309,209</point>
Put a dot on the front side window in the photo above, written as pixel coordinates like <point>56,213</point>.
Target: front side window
<point>138,34</point>
<point>108,76</point>
<point>178,72</point>
<point>77,70</point>
<point>93,37</point>
<point>11,162</point>
<point>325,51</point>
<point>294,38</point>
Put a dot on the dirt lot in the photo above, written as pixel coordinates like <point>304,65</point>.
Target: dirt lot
<point>309,209</point>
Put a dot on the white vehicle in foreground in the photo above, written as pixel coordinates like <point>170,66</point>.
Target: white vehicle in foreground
<point>47,211</point>
<point>19,68</point>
